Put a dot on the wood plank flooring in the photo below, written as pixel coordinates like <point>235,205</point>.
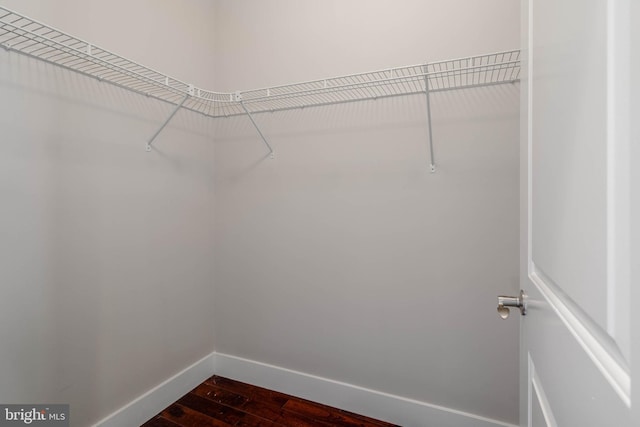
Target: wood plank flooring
<point>224,402</point>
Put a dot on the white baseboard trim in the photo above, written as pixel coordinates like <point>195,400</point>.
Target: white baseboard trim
<point>395,409</point>
<point>158,398</point>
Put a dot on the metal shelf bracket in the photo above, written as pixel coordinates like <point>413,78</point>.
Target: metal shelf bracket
<point>426,92</point>
<point>238,98</point>
<point>190,92</point>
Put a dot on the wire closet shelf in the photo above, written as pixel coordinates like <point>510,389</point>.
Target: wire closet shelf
<point>27,36</point>
<point>32,38</point>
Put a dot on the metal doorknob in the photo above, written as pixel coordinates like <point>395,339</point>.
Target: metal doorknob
<point>504,302</point>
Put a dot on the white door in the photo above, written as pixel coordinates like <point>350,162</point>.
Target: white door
<point>578,260</point>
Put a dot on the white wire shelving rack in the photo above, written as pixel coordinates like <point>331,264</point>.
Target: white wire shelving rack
<point>29,37</point>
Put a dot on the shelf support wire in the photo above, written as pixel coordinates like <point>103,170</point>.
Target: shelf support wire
<point>426,92</point>
<point>166,122</point>
<point>238,97</point>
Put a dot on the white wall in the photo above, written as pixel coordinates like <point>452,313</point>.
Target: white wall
<point>106,253</point>
<point>344,257</point>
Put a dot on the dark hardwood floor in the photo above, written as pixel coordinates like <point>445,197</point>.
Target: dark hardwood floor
<point>223,402</point>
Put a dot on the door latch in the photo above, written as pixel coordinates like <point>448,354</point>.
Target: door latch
<point>504,302</point>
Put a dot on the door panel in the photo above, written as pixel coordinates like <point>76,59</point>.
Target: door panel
<point>576,336</point>
<point>575,390</point>
<point>569,158</point>
<point>541,413</point>
<point>537,416</point>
